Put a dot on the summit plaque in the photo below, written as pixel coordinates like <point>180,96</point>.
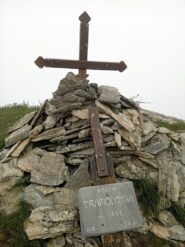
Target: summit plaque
<point>108,208</point>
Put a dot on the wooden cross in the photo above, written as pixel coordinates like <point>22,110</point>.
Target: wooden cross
<point>82,64</point>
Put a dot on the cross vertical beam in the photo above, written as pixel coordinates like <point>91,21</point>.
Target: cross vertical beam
<point>84,35</point>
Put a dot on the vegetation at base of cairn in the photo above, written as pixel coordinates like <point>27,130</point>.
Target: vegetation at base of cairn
<point>9,114</point>
<point>179,213</point>
<point>12,230</point>
<point>178,126</point>
<point>148,197</point>
<point>154,241</point>
<point>23,181</point>
<point>148,240</point>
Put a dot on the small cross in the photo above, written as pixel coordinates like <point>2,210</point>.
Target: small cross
<point>82,64</point>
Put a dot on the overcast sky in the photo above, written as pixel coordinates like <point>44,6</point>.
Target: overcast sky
<point>149,35</point>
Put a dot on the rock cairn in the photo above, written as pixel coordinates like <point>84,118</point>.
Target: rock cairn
<point>52,147</point>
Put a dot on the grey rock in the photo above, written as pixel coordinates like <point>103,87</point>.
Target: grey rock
<point>84,133</point>
<point>27,162</point>
<point>109,94</point>
<point>123,120</point>
<point>83,125</point>
<point>106,130</point>
<point>10,201</point>
<point>56,242</point>
<point>38,195</point>
<point>9,170</point>
<point>71,119</point>
<point>83,153</point>
<point>3,153</point>
<point>84,94</point>
<point>110,144</point>
<point>49,222</point>
<point>108,138</point>
<point>151,162</point>
<point>70,83</point>
<point>20,148</point>
<point>74,147</point>
<point>82,114</point>
<point>146,138</point>
<point>36,131</point>
<point>168,184</point>
<point>77,240</point>
<point>71,97</point>
<point>136,169</point>
<point>7,152</point>
<point>65,107</point>
<point>167,218</point>
<point>7,184</point>
<point>174,136</point>
<point>182,148</point>
<point>63,138</point>
<point>143,154</point>
<point>23,121</point>
<point>149,127</point>
<point>177,232</point>
<point>163,130</point>
<point>80,123</point>
<point>157,144</point>
<point>65,197</point>
<point>49,108</point>
<point>51,170</point>
<point>74,161</point>
<point>121,159</point>
<point>17,135</point>
<point>81,178</point>
<point>133,138</point>
<point>107,122</point>
<point>117,138</point>
<point>160,231</point>
<point>49,134</point>
<point>50,121</point>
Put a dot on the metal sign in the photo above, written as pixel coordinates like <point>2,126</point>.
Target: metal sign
<point>82,64</point>
<point>108,208</point>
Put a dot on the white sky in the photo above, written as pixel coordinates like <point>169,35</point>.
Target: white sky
<point>149,35</point>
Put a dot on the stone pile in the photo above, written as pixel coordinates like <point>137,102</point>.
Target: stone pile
<point>52,147</point>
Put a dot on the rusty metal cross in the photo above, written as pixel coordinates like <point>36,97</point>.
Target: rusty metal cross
<point>82,64</point>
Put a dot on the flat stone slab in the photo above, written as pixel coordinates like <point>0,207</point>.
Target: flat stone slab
<point>108,208</point>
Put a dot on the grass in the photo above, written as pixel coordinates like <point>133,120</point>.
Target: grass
<point>179,213</point>
<point>148,197</point>
<point>148,240</point>
<point>178,126</point>
<point>9,115</point>
<point>156,242</point>
<point>12,230</point>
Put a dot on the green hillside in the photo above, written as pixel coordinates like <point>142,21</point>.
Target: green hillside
<point>9,114</point>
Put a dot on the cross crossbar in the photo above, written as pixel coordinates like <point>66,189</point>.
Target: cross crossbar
<point>82,64</point>
<point>75,64</point>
